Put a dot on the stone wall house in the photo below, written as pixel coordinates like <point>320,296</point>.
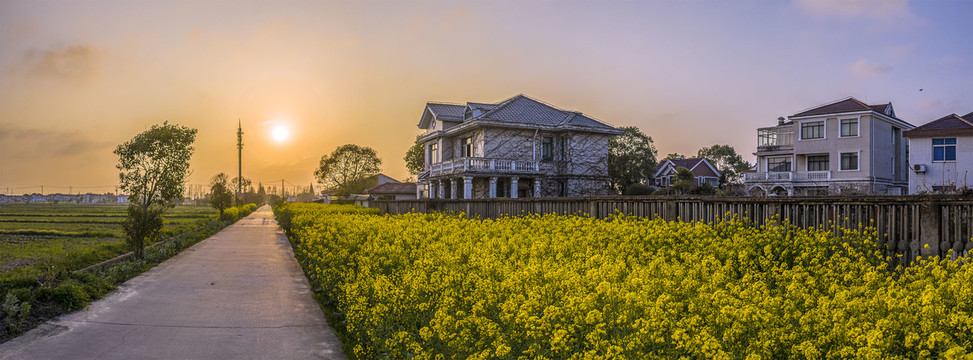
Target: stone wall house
<point>519,147</point>
<point>845,146</point>
<point>941,155</point>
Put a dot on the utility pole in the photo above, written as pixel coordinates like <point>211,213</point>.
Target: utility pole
<point>239,147</point>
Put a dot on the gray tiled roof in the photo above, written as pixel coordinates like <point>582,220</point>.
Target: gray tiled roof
<point>446,110</point>
<point>522,109</point>
<point>481,106</point>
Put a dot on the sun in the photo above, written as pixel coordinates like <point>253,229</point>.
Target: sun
<point>280,133</point>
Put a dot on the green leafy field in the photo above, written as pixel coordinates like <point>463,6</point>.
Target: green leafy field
<point>42,246</point>
<point>73,235</point>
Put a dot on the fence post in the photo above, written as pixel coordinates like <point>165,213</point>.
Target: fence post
<point>672,210</point>
<point>929,219</point>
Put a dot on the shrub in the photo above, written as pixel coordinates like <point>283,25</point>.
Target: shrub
<point>638,189</point>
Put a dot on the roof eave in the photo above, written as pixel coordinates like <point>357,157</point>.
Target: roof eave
<point>900,122</point>
<point>937,132</point>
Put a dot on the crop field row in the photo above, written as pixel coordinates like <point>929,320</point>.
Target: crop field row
<point>433,286</point>
<point>33,234</point>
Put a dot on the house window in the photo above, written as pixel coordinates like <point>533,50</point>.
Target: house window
<point>547,148</point>
<point>849,127</point>
<point>849,161</point>
<point>466,148</point>
<point>781,164</point>
<point>562,188</point>
<point>433,153</point>
<point>812,130</point>
<point>817,163</point>
<point>561,148</point>
<point>944,149</point>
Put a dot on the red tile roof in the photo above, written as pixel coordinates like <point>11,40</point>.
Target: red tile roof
<point>843,106</point>
<point>951,124</point>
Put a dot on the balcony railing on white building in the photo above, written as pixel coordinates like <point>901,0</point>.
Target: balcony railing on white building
<point>483,165</point>
<point>787,176</point>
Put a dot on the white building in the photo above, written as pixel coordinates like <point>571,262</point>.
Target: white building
<point>941,155</point>
<point>839,147</point>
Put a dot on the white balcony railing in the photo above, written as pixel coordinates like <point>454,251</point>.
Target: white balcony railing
<point>481,165</point>
<point>788,176</point>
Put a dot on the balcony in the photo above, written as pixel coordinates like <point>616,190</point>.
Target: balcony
<point>481,166</point>
<point>785,176</point>
<point>775,138</point>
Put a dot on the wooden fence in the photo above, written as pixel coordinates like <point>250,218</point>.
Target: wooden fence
<point>905,224</point>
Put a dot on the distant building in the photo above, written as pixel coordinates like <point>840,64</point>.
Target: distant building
<point>519,147</point>
<point>393,191</point>
<point>703,172</point>
<point>941,155</point>
<point>844,146</point>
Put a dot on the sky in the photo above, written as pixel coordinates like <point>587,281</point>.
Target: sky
<point>78,78</point>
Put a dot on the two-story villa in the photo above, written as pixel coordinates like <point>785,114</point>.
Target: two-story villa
<point>941,155</point>
<point>841,146</point>
<point>519,147</point>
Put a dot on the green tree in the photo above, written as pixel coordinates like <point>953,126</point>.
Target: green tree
<point>261,193</point>
<point>730,164</point>
<point>346,168</point>
<point>631,158</point>
<point>153,168</point>
<point>683,183</point>
<point>220,196</point>
<point>415,157</point>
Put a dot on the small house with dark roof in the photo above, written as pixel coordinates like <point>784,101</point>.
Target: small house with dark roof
<point>393,191</point>
<point>703,172</point>
<point>842,146</point>
<point>519,147</point>
<point>941,155</point>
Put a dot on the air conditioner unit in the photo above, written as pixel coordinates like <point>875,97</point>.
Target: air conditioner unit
<point>919,168</point>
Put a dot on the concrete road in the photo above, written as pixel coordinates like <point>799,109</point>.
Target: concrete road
<point>238,295</point>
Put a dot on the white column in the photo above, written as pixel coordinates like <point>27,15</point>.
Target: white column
<point>493,186</point>
<point>441,193</point>
<point>467,187</point>
<point>419,186</point>
<point>452,188</point>
<point>537,187</point>
<point>513,187</point>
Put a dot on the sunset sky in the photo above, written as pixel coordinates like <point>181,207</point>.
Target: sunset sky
<point>77,78</point>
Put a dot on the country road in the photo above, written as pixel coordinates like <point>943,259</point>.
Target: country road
<point>239,294</point>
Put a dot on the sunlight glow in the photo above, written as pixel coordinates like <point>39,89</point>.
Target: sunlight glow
<point>280,133</point>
